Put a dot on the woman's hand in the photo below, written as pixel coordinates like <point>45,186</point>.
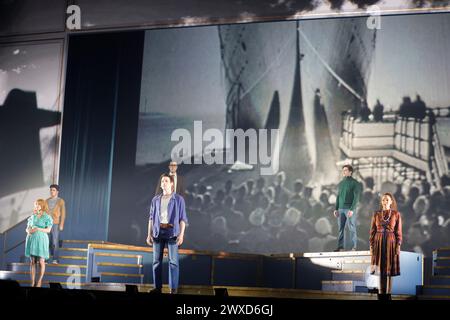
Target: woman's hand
<point>149,240</point>
<point>32,230</point>
<point>397,249</point>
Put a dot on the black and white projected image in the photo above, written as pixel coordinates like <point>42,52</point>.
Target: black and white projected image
<point>30,117</point>
<point>337,91</point>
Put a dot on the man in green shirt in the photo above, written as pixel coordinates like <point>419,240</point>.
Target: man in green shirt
<point>346,202</point>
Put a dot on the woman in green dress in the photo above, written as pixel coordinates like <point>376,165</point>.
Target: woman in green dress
<point>36,245</point>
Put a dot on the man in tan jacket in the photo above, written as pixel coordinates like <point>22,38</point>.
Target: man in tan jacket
<point>57,210</point>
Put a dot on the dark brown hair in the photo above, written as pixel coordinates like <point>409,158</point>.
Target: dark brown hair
<point>394,202</point>
<point>349,167</point>
<point>160,179</point>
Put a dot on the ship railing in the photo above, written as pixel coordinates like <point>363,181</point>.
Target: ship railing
<point>441,112</point>
<point>419,138</point>
<point>349,123</point>
<point>438,160</point>
<point>414,137</point>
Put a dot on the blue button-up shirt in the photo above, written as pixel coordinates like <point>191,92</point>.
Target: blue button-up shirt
<point>176,211</point>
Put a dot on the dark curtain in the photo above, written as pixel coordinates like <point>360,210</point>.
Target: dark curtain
<point>97,83</point>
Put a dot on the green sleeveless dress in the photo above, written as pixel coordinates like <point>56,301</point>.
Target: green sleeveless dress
<point>37,243</point>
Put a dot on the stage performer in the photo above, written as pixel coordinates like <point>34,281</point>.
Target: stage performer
<point>166,226</point>
<point>385,241</point>
<point>57,209</point>
<point>347,199</point>
<point>36,244</point>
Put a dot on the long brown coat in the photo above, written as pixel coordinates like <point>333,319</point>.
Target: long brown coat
<point>386,225</point>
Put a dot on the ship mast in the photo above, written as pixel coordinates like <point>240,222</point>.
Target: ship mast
<point>294,154</point>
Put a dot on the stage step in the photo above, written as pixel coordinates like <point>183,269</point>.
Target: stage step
<point>364,289</point>
<point>121,277</point>
<point>48,276</point>
<point>49,267</point>
<point>118,258</point>
<point>442,262</point>
<point>345,286</point>
<point>24,259</point>
<point>76,260</point>
<point>73,252</point>
<point>442,252</point>
<point>344,275</point>
<point>441,271</point>
<point>234,291</point>
<point>79,243</point>
<point>246,292</point>
<point>119,268</point>
<point>436,290</point>
<point>46,284</point>
<point>425,297</point>
<point>440,280</point>
<point>356,264</point>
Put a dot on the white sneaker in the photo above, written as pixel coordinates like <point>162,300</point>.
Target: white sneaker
<point>55,261</point>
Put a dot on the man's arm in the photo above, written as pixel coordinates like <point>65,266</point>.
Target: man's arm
<point>180,237</point>
<point>150,225</point>
<point>356,193</point>
<point>183,221</point>
<point>63,215</point>
<point>337,197</point>
<point>149,233</point>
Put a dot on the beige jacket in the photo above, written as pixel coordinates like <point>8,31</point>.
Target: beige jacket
<point>59,213</point>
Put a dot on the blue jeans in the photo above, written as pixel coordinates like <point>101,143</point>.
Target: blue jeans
<point>54,241</point>
<point>351,225</point>
<point>158,254</point>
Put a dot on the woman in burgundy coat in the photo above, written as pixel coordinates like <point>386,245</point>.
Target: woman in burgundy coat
<point>385,242</point>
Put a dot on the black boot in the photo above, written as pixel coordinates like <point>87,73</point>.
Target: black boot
<point>155,291</point>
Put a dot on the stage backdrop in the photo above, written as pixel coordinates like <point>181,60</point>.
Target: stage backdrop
<point>317,82</point>
<point>30,125</point>
<point>101,89</point>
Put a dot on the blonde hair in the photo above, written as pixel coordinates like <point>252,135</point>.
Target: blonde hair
<point>43,204</point>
